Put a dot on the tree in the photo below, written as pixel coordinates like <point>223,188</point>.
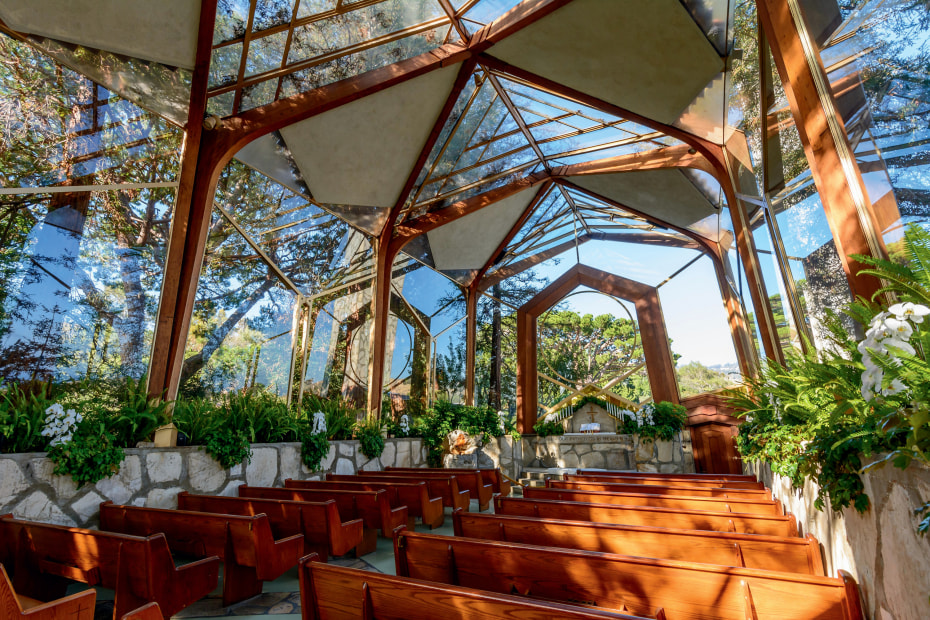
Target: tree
<point>695,378</point>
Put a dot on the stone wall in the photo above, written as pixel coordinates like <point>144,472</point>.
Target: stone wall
<point>596,450</point>
<point>154,476</point>
<point>880,548</point>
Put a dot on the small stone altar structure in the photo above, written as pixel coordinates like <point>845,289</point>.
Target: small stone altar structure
<point>590,413</point>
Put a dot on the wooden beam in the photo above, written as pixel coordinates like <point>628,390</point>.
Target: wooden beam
<point>820,127</point>
<point>678,156</point>
<point>179,286</point>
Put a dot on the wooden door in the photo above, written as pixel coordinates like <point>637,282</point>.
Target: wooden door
<point>715,449</point>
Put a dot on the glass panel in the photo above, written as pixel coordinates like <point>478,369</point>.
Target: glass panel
<point>266,53</point>
<point>271,13</point>
<point>774,284</point>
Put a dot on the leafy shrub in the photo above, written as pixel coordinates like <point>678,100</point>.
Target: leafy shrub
<point>22,417</point>
<point>340,417</point>
<point>196,418</point>
<point>228,445</point>
<point>264,417</point>
<point>546,429</point>
<point>444,417</point>
<point>90,456</point>
<point>313,449</point>
<point>663,420</point>
<point>136,416</point>
<point>370,440</point>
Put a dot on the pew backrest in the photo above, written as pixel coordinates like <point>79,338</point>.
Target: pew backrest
<point>603,483</point>
<point>679,476</point>
<point>636,585</point>
<point>446,487</point>
<point>470,480</point>
<point>79,606</point>
<point>330,592</point>
<point>490,475</point>
<point>413,494</point>
<point>667,479</point>
<point>793,555</point>
<point>561,490</point>
<point>769,525</point>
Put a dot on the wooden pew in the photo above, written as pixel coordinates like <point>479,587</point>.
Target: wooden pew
<point>337,593</point>
<point>630,584</point>
<point>667,479</point>
<point>245,544</point>
<point>768,525</point>
<point>445,487</point>
<point>147,612</point>
<point>414,495</point>
<point>78,606</point>
<point>597,483</point>
<point>470,480</point>
<point>139,569</point>
<point>491,475</point>
<point>793,555</point>
<point>372,507</point>
<point>556,490</point>
<point>320,523</point>
<point>650,474</point>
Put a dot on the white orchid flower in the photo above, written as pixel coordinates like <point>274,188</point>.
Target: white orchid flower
<point>896,387</point>
<point>908,310</point>
<point>899,328</point>
<point>901,345</point>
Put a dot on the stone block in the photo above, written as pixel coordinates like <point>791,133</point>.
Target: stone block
<point>163,498</point>
<point>568,460</point>
<point>646,467</point>
<point>327,461</point>
<point>344,467</point>
<point>204,473</point>
<point>346,448</point>
<point>43,470</point>
<point>232,488</point>
<point>372,465</point>
<point>87,507</point>
<point>665,450</point>
<point>593,459</point>
<point>236,470</point>
<point>163,466</point>
<point>645,450</point>
<point>403,457</point>
<point>618,460</point>
<point>669,468</point>
<point>121,486</point>
<point>389,455</point>
<point>582,449</point>
<point>290,462</point>
<point>904,554</point>
<point>360,458</point>
<point>38,507</point>
<point>12,480</point>
<point>262,469</point>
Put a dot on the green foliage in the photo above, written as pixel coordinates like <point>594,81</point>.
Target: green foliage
<point>90,456</point>
<point>667,421</point>
<point>695,378</point>
<point>371,442</point>
<point>263,417</point>
<point>22,416</point>
<point>586,399</point>
<point>228,445</point>
<point>136,415</point>
<point>445,417</point>
<point>196,418</point>
<point>313,449</point>
<point>546,429</point>
<point>340,417</point>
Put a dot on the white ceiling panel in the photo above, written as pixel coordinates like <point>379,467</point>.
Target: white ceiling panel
<point>362,153</point>
<point>163,31</point>
<point>467,243</point>
<point>647,57</point>
<point>665,194</point>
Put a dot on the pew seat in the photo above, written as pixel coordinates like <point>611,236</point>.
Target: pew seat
<point>250,553</point>
<point>414,495</point>
<point>491,475</point>
<point>559,490</point>
<point>604,483</point>
<point>470,480</point>
<point>792,555</point>
<point>139,569</point>
<point>330,592</point>
<point>685,590</point>
<point>708,480</point>
<point>323,529</point>
<point>78,606</point>
<point>769,525</point>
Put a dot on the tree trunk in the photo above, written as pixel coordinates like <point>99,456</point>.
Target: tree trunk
<point>494,379</point>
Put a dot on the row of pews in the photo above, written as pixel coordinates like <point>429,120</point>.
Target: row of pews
<point>258,536</point>
<point>595,545</point>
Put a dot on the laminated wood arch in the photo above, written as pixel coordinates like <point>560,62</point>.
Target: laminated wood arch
<point>645,298</point>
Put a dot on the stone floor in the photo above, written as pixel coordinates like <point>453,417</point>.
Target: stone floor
<point>280,598</point>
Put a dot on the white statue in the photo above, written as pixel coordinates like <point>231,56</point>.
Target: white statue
<point>319,423</point>
<point>404,424</point>
<point>500,417</point>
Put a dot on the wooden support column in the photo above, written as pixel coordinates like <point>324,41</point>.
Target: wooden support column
<point>189,223</point>
<point>736,317</point>
<point>471,338</point>
<point>823,135</point>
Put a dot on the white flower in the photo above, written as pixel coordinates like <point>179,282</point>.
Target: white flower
<point>907,310</point>
<point>899,344</point>
<point>899,328</point>
<point>871,382</point>
<point>896,387</point>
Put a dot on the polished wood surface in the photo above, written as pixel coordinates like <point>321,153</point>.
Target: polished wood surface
<point>139,569</point>
<point>323,528</point>
<point>446,487</point>
<point>641,515</point>
<point>474,481</point>
<point>245,544</point>
<point>605,483</point>
<point>653,475</point>
<point>79,606</point>
<point>414,495</point>
<point>147,612</point>
<point>372,507</point>
<point>490,475</point>
<point>336,593</point>
<point>612,581</point>
<point>794,555</point>
<point>677,480</point>
<point>712,504</point>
